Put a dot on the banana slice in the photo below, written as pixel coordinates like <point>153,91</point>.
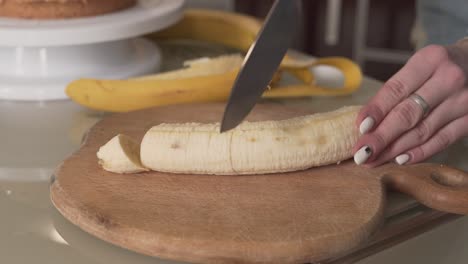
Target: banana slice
<point>252,148</point>
<point>121,155</point>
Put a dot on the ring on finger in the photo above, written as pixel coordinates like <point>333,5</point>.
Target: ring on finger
<point>421,102</point>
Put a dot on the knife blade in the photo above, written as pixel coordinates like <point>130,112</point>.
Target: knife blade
<point>261,62</point>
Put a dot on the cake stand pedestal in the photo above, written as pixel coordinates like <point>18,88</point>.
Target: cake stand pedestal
<point>40,57</point>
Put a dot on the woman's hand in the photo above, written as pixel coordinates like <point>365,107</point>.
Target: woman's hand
<point>397,124</point>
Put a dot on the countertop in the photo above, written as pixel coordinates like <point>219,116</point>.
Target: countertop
<point>37,136</point>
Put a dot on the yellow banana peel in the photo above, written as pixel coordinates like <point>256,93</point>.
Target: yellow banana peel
<point>352,79</point>
<point>208,80</point>
<point>203,80</point>
<point>200,82</point>
<point>129,95</point>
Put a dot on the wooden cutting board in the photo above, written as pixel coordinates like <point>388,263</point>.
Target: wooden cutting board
<point>282,218</point>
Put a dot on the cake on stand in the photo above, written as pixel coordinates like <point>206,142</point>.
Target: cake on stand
<point>40,57</point>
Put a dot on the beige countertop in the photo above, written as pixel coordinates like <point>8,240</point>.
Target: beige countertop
<point>36,137</point>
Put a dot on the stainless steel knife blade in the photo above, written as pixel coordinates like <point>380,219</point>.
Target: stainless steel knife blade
<point>261,62</point>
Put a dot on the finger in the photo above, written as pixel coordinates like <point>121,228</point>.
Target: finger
<point>413,75</point>
<point>447,79</point>
<point>440,141</point>
<point>453,108</point>
<point>404,117</point>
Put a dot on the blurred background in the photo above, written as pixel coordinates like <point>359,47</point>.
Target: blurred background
<point>380,35</point>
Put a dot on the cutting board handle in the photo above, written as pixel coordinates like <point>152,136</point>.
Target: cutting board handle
<point>436,186</point>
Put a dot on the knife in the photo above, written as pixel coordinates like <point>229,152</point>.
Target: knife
<point>261,62</point>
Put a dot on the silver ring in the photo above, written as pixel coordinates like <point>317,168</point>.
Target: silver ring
<point>421,102</point>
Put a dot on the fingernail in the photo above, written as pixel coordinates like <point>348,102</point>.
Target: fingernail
<point>366,125</point>
<point>362,155</point>
<point>402,159</point>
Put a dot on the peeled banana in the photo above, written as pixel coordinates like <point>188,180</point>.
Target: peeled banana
<point>121,155</point>
<point>252,148</point>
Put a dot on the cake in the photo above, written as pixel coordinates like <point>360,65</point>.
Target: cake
<point>57,9</point>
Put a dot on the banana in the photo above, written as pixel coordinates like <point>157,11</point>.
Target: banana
<point>202,80</point>
<point>225,28</point>
<point>121,155</point>
<point>252,148</point>
<point>207,80</point>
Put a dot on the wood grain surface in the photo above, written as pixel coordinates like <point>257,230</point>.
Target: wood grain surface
<point>298,217</point>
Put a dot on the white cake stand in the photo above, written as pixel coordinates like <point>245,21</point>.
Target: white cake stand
<point>38,58</point>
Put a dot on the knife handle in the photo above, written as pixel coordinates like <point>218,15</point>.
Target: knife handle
<point>352,79</point>
<point>436,186</point>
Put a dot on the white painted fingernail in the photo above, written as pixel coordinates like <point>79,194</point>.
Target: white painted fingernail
<point>366,125</point>
<point>362,155</point>
<point>402,159</point>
